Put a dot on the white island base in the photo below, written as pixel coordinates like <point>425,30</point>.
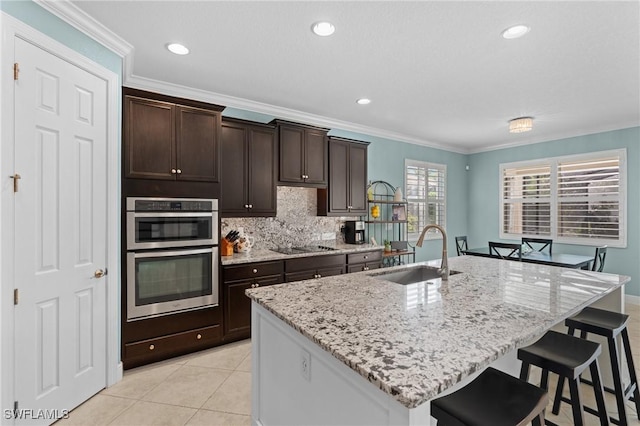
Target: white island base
<point>295,382</point>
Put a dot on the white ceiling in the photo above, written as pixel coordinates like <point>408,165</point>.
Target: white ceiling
<point>438,73</point>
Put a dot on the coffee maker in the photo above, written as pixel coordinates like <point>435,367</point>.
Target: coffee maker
<point>354,232</point>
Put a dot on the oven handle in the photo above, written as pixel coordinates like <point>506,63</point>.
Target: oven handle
<point>165,253</point>
<point>172,214</point>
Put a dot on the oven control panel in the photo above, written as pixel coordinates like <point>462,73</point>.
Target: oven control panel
<point>171,204</point>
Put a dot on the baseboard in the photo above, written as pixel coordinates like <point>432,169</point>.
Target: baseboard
<point>631,299</point>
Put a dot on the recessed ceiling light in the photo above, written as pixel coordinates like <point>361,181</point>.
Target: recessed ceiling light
<point>515,31</point>
<point>177,48</point>
<point>363,101</point>
<point>323,29</point>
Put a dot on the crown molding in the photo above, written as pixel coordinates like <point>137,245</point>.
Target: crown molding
<point>77,18</point>
<point>180,91</point>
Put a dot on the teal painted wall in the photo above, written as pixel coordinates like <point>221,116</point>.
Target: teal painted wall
<point>35,16</point>
<point>483,185</point>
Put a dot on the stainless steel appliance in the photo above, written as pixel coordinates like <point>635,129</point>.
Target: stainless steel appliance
<point>172,257</point>
<point>354,232</point>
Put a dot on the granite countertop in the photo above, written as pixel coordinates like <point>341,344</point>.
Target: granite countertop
<point>263,255</point>
<point>415,341</point>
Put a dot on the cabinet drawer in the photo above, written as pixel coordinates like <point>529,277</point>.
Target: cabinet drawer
<point>313,262</point>
<point>359,267</point>
<point>250,270</point>
<point>364,257</point>
<point>176,343</point>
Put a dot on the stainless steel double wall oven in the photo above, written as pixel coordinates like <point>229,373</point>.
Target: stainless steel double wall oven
<point>172,255</point>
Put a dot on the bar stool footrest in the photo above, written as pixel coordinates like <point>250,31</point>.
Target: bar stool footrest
<point>591,411</point>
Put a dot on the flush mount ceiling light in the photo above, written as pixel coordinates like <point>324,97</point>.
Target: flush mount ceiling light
<point>177,48</point>
<point>519,125</point>
<point>363,101</point>
<point>515,31</point>
<point>323,29</point>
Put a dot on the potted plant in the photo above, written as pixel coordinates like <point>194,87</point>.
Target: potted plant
<point>387,246</point>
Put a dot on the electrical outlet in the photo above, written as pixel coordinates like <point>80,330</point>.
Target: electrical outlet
<point>305,365</point>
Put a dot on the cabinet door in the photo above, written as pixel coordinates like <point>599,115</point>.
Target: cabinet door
<point>358,178</point>
<point>148,139</point>
<point>197,144</point>
<point>262,172</point>
<point>233,182</point>
<point>339,177</point>
<point>316,157</point>
<point>291,154</point>
<point>237,312</point>
<point>237,309</point>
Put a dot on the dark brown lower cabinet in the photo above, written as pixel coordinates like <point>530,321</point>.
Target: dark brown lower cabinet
<point>306,268</point>
<point>238,278</point>
<point>237,306</point>
<point>159,348</point>
<point>364,261</point>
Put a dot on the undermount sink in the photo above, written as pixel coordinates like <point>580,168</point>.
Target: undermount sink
<point>413,275</point>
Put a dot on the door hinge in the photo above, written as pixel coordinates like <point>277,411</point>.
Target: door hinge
<point>16,296</point>
<point>16,70</point>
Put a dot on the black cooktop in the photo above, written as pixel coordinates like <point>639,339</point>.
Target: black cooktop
<point>303,249</point>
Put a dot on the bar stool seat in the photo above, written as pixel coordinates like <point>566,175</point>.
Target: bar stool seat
<point>609,325</point>
<point>568,357</point>
<point>493,398</point>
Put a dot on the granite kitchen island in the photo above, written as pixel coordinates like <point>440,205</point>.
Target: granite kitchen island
<point>359,349</point>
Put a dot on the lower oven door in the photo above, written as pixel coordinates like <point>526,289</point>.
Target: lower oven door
<point>160,282</point>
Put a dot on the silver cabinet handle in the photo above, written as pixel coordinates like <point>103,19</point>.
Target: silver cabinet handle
<point>246,206</point>
<point>173,171</point>
<point>179,171</point>
<point>199,336</point>
<point>255,271</point>
<point>250,206</point>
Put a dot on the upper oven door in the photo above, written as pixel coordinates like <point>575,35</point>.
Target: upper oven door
<point>171,229</point>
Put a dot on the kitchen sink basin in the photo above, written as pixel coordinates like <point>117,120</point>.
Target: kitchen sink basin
<point>412,275</point>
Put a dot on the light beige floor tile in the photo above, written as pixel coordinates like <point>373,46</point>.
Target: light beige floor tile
<point>99,410</point>
<point>188,387</point>
<point>234,396</point>
<point>137,382</point>
<point>245,365</point>
<point>148,413</point>
<point>218,418</point>
<point>226,357</point>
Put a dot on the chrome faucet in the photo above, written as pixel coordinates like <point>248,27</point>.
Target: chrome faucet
<point>444,265</point>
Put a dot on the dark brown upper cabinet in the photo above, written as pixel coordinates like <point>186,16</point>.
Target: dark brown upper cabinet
<point>248,171</point>
<point>302,154</point>
<point>346,193</point>
<point>170,138</point>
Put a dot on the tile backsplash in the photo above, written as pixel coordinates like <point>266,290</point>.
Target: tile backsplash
<point>296,223</point>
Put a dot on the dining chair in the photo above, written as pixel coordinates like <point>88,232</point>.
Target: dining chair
<point>461,245</point>
<point>598,259</point>
<point>510,251</point>
<point>538,244</point>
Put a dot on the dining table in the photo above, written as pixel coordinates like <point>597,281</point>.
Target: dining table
<point>543,258</point>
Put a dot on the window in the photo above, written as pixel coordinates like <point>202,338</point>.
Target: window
<point>577,199</point>
<point>425,192</point>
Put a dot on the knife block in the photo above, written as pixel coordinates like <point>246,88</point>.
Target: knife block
<point>226,248</point>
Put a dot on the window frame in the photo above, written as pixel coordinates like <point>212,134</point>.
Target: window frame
<point>432,235</point>
<point>553,162</point>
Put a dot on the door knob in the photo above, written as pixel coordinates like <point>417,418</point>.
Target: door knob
<point>99,273</point>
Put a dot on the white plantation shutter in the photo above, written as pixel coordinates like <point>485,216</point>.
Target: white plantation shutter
<point>589,198</point>
<point>575,199</point>
<point>425,191</point>
<point>527,200</point>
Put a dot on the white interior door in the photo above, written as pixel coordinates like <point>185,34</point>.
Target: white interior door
<point>60,232</point>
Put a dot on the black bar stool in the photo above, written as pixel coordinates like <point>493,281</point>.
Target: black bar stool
<point>607,324</point>
<point>568,357</point>
<point>493,398</point>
